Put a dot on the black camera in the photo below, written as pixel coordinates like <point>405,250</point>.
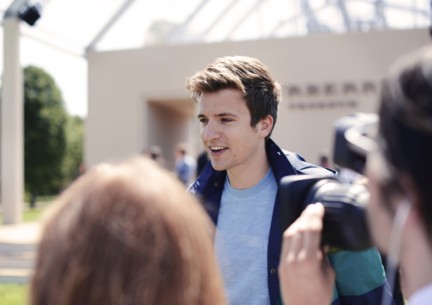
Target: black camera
<point>345,221</point>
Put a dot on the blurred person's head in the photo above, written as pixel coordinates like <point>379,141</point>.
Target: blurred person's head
<point>155,152</point>
<point>249,76</point>
<point>180,150</point>
<point>401,172</point>
<point>324,161</point>
<point>126,234</point>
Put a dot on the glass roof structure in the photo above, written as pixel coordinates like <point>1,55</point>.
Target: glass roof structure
<point>71,28</point>
<point>80,25</point>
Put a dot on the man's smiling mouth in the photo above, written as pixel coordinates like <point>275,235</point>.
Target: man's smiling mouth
<point>217,149</point>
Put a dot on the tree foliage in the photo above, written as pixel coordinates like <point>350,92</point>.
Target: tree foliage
<point>52,139</point>
<point>74,152</point>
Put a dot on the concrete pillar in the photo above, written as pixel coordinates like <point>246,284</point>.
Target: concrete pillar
<point>12,131</point>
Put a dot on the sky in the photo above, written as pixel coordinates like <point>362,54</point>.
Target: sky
<point>68,70</point>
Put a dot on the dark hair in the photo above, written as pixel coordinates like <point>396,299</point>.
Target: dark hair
<point>406,124</point>
<point>261,92</point>
<point>155,152</point>
<point>127,234</point>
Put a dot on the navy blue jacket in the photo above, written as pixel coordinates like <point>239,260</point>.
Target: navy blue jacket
<point>360,277</point>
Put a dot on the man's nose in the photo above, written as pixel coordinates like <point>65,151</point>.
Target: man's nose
<point>210,131</point>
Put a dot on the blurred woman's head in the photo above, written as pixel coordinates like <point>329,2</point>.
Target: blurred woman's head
<point>401,172</point>
<point>127,234</point>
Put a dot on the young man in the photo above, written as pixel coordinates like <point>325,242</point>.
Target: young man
<point>237,108</point>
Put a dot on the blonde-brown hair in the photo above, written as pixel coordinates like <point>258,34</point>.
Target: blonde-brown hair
<point>127,234</point>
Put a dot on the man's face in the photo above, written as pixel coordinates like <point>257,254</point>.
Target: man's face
<point>232,144</point>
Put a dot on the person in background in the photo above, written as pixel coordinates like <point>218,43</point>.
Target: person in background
<point>127,234</point>
<point>238,102</point>
<point>324,161</point>
<point>155,152</point>
<point>400,185</point>
<point>185,165</point>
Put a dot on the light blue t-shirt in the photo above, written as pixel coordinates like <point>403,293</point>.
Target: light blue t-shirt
<point>242,238</point>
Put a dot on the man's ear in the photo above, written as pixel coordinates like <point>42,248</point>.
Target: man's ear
<point>265,126</point>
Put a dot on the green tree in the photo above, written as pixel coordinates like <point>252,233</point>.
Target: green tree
<point>45,139</point>
<point>74,153</point>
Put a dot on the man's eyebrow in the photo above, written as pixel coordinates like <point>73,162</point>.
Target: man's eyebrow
<point>226,114</point>
<point>223,114</point>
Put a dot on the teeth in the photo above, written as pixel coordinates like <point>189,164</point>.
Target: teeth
<point>216,147</point>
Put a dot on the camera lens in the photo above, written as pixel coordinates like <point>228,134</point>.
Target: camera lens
<point>345,223</point>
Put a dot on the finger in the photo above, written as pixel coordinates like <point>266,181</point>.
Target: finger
<point>312,229</point>
<point>296,245</point>
<point>311,245</point>
<point>293,242</point>
<point>309,220</point>
<point>314,210</point>
<point>288,237</point>
<point>327,269</point>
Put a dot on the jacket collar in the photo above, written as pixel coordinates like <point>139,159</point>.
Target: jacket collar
<point>210,180</point>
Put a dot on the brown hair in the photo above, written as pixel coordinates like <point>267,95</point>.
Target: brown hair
<point>127,234</point>
<point>248,75</point>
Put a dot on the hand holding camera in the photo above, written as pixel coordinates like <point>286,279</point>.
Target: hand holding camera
<point>303,259</point>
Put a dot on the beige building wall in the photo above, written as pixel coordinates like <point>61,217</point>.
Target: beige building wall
<point>137,97</point>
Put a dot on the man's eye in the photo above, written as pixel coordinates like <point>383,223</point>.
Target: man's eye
<point>226,120</point>
<point>203,121</point>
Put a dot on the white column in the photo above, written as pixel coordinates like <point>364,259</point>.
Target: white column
<point>12,132</point>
